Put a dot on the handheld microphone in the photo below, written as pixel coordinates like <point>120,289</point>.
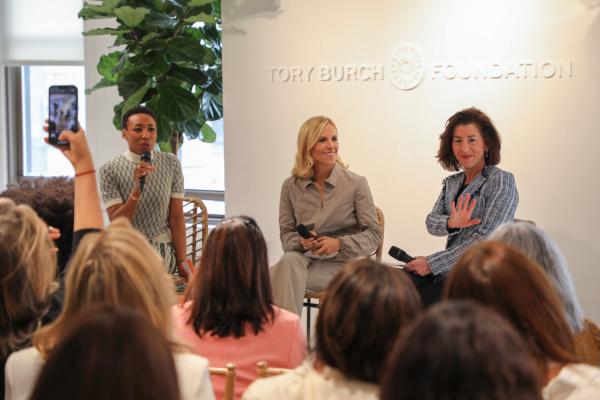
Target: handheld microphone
<point>146,158</point>
<point>400,254</point>
<point>304,232</point>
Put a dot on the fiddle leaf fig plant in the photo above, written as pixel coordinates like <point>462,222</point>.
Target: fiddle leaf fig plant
<point>167,56</point>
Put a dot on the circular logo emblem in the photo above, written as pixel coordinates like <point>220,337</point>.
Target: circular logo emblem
<point>406,67</point>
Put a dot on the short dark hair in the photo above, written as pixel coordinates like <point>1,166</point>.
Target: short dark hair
<point>52,200</point>
<point>133,111</point>
<point>364,309</point>
<point>501,277</point>
<point>461,350</point>
<point>231,288</point>
<point>110,353</point>
<point>485,126</point>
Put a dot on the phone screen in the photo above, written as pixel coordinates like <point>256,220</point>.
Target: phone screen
<point>62,111</point>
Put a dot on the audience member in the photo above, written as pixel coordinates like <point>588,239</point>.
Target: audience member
<point>539,246</point>
<point>501,277</point>
<point>113,267</point>
<point>365,307</point>
<point>109,354</point>
<point>229,314</point>
<point>52,200</point>
<point>461,350</point>
<point>336,208</point>
<point>27,273</point>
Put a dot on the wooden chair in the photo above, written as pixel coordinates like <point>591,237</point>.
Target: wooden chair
<point>229,373</point>
<point>196,227</point>
<point>310,296</point>
<point>263,370</point>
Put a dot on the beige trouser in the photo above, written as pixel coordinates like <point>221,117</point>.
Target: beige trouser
<point>294,273</point>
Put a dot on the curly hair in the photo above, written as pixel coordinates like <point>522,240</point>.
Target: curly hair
<point>484,125</point>
<point>52,200</point>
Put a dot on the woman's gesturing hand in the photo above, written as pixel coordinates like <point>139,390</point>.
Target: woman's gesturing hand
<point>460,214</point>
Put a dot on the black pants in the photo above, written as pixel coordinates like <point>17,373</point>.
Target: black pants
<point>429,289</point>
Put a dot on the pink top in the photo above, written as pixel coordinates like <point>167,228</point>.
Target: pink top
<point>281,344</point>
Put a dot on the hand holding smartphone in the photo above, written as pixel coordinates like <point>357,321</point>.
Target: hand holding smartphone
<point>63,111</point>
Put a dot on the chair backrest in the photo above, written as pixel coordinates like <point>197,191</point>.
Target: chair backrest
<point>196,227</point>
<point>381,221</point>
<point>229,373</point>
<point>263,370</point>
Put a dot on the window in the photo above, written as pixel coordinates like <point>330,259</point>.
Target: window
<point>39,159</point>
<point>203,170</point>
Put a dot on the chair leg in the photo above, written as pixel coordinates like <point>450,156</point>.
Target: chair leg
<point>309,306</point>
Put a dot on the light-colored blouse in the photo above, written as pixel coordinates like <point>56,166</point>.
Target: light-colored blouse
<point>281,344</point>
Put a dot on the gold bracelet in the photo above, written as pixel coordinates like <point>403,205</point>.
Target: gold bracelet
<point>132,197</point>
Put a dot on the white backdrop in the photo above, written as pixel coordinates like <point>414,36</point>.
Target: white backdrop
<point>538,64</point>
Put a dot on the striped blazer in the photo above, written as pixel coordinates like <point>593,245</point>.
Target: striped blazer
<point>497,200</point>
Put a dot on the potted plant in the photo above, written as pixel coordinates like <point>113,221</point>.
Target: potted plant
<point>169,59</point>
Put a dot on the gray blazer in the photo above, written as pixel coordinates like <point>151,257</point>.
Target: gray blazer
<point>497,200</point>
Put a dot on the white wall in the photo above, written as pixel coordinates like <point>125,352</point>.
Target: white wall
<point>548,125</point>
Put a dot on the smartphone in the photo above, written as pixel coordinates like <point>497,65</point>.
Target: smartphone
<point>62,112</point>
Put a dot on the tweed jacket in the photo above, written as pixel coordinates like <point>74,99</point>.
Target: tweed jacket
<point>497,200</point>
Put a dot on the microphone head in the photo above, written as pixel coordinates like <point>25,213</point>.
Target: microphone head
<point>146,157</point>
<point>399,254</point>
<point>303,231</point>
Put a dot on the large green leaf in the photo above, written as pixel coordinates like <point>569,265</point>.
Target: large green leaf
<point>136,98</point>
<point>202,17</point>
<point>104,31</point>
<point>177,3</point>
<point>150,37</point>
<point>117,117</point>
<point>106,65</point>
<point>193,76</point>
<point>183,48</point>
<point>176,102</point>
<point>130,81</point>
<point>155,64</point>
<point>156,21</point>
<point>198,3</point>
<point>99,85</point>
<point>130,16</point>
<point>208,134</point>
<point>112,4</point>
<point>92,11</point>
<point>212,106</point>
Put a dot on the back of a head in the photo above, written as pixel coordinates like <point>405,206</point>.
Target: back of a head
<point>114,267</point>
<point>27,270</point>
<point>110,354</point>
<point>231,288</point>
<point>500,276</point>
<point>461,350</point>
<point>537,245</point>
<point>52,200</point>
<point>364,309</point>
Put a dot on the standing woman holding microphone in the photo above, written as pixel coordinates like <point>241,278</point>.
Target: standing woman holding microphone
<point>336,209</point>
<point>473,201</point>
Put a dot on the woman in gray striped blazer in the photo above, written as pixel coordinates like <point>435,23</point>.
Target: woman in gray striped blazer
<point>336,207</point>
<point>473,201</point>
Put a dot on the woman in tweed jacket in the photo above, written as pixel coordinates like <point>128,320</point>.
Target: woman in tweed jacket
<point>473,201</point>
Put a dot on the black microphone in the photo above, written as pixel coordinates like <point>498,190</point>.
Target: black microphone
<point>400,254</point>
<point>304,232</point>
<point>146,158</point>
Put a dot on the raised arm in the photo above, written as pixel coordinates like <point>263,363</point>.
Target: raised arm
<point>501,203</point>
<point>87,211</point>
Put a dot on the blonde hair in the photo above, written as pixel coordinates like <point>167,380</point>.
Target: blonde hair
<point>308,136</point>
<point>115,267</point>
<point>27,272</point>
